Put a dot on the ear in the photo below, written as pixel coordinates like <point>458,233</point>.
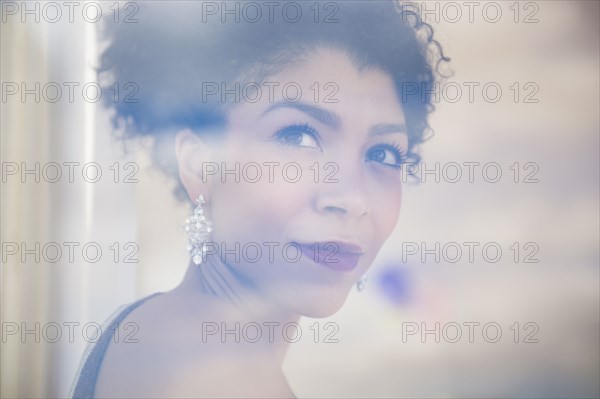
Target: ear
<point>192,153</point>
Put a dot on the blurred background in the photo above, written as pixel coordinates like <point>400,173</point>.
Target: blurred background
<point>546,52</point>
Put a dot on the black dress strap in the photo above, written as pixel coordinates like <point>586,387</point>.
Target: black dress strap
<point>85,382</point>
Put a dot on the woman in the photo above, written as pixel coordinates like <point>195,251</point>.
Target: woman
<point>286,132</point>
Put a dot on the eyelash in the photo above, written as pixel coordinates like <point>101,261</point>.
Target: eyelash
<point>302,128</point>
<point>398,153</point>
<point>396,149</point>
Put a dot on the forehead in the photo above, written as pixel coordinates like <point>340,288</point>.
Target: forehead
<point>330,79</point>
<point>325,65</point>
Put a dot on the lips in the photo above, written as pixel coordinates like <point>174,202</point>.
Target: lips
<point>335,255</point>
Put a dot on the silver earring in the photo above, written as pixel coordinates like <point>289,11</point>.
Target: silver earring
<point>198,228</point>
<point>360,285</point>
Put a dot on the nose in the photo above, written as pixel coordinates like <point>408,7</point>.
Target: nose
<point>347,197</point>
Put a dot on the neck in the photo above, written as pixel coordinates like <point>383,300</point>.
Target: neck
<point>241,302</point>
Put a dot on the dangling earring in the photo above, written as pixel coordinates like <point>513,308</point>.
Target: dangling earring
<point>360,285</point>
<point>198,229</point>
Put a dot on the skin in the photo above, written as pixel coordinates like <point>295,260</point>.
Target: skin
<point>171,358</point>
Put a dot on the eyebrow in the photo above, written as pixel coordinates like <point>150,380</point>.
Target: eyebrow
<point>384,128</point>
<point>331,119</point>
<point>327,118</point>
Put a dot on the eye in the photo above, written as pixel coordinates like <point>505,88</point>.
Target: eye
<point>386,154</point>
<point>299,136</point>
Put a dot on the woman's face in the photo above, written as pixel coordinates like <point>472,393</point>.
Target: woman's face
<point>346,136</point>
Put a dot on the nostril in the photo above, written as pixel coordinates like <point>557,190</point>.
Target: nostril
<point>335,209</point>
<point>347,204</point>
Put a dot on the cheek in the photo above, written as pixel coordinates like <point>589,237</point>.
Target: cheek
<point>386,209</point>
<point>260,211</point>
<point>264,198</point>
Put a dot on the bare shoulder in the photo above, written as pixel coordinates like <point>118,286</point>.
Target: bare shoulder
<point>134,358</point>
<point>228,376</point>
<point>168,357</point>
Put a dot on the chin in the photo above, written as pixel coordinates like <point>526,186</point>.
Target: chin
<point>319,312</point>
<point>318,302</point>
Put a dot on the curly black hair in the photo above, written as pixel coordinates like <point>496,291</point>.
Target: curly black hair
<point>176,46</point>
